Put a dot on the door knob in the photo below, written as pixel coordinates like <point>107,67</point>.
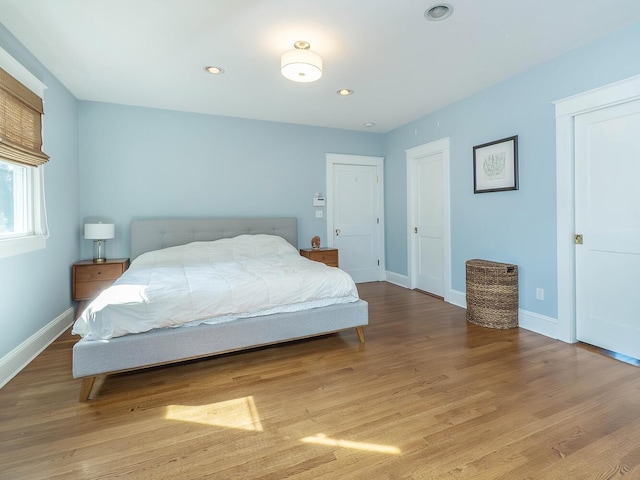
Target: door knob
<point>337,232</point>
<point>415,229</point>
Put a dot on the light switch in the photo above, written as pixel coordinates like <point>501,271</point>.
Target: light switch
<point>319,214</point>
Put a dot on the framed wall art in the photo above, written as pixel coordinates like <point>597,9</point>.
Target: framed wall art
<point>495,166</point>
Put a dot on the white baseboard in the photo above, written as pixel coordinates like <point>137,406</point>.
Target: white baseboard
<point>397,279</point>
<point>456,298</point>
<point>547,326</point>
<point>23,354</point>
<point>453,297</point>
<point>532,321</point>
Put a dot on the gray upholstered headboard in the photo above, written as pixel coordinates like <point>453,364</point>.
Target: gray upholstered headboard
<point>157,233</point>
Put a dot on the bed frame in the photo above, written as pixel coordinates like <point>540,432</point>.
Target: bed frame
<point>171,345</point>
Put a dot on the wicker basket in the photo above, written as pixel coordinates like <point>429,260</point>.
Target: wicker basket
<point>492,294</point>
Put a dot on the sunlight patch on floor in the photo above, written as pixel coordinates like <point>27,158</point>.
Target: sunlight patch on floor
<point>239,413</point>
<point>321,439</point>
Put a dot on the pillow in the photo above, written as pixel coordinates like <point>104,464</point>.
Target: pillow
<point>225,249</point>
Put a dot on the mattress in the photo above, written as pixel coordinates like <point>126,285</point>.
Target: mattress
<point>213,282</point>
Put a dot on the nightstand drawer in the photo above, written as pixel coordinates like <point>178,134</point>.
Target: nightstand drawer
<point>91,289</point>
<point>96,272</point>
<point>89,278</point>
<point>328,256</point>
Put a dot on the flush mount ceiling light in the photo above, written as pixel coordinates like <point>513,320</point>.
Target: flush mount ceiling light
<point>344,92</point>
<point>301,64</point>
<point>214,70</point>
<point>369,124</point>
<point>438,12</point>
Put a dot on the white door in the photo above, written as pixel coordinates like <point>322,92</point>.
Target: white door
<point>607,211</point>
<point>427,168</point>
<point>354,216</point>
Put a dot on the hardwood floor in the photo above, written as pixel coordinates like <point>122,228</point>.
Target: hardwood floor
<point>429,396</point>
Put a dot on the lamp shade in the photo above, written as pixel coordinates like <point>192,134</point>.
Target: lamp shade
<point>301,64</point>
<point>99,231</point>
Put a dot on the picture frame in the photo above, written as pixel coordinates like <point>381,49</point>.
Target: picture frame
<point>495,166</point>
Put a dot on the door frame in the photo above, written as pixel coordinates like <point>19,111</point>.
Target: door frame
<point>346,159</point>
<point>413,155</point>
<point>567,109</point>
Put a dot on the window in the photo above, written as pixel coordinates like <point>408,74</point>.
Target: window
<point>12,199</point>
<point>23,224</point>
<point>19,196</point>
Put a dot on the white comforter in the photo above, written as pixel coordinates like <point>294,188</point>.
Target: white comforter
<point>213,282</point>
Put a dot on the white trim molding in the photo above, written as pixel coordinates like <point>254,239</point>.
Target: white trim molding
<point>531,321</point>
<point>20,73</point>
<point>566,110</point>
<point>457,298</point>
<point>333,159</point>
<point>537,323</point>
<point>412,155</point>
<point>624,91</point>
<point>397,279</point>
<point>18,358</point>
<point>18,245</point>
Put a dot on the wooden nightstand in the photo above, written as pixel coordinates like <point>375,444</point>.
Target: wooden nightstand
<point>328,256</point>
<point>89,279</point>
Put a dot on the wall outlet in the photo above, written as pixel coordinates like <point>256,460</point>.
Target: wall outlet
<point>539,293</point>
<point>319,213</point>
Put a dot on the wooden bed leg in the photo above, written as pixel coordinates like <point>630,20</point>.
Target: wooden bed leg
<point>85,389</point>
<point>360,332</point>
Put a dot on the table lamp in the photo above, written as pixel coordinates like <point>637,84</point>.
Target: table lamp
<point>99,233</point>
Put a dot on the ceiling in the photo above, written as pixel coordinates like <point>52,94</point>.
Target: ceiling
<point>400,66</point>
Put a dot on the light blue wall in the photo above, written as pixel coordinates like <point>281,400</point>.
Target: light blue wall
<point>35,288</point>
<point>138,162</point>
<point>514,226</point>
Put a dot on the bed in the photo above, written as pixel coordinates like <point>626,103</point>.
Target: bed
<point>94,355</point>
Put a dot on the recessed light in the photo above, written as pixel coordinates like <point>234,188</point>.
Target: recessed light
<point>438,12</point>
<point>369,124</point>
<point>213,70</point>
<point>344,92</point>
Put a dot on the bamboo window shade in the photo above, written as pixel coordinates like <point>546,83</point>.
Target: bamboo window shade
<point>20,123</point>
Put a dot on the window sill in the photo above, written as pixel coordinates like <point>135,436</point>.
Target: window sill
<point>18,246</point>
